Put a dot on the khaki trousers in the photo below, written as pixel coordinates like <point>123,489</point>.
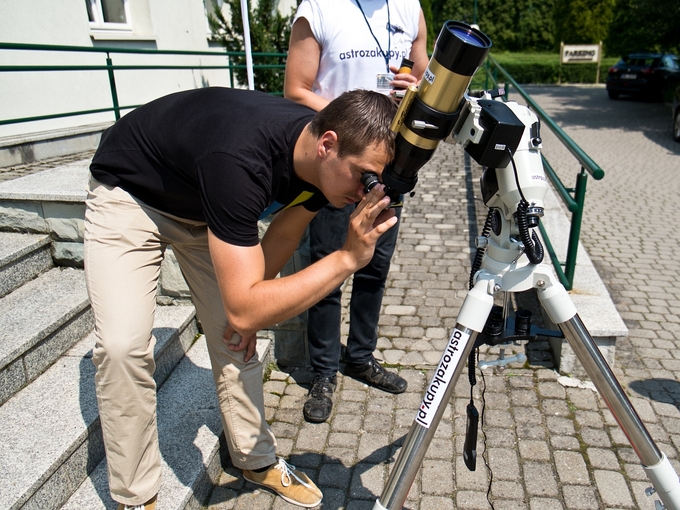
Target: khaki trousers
<point>124,246</point>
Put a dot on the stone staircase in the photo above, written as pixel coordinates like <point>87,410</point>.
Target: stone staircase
<point>51,449</point>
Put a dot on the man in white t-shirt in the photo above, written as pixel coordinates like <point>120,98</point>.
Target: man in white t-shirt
<point>336,46</point>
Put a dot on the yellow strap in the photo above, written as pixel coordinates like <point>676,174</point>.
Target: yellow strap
<point>302,197</point>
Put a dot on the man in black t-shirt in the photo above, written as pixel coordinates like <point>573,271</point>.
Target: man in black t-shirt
<point>196,170</point>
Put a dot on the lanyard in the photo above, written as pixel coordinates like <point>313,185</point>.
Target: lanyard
<point>386,56</point>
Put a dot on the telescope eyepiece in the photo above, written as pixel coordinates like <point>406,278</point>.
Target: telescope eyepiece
<point>369,180</point>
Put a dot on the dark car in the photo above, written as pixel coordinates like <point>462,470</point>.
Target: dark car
<point>643,74</point>
<point>675,105</point>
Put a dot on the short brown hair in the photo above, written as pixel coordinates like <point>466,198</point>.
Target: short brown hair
<point>360,118</point>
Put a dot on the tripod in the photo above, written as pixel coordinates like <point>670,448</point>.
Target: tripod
<point>511,261</point>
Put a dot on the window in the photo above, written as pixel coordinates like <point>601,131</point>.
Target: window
<point>671,62</point>
<point>109,14</point>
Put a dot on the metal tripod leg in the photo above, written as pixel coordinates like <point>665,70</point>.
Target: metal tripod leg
<point>658,468</point>
<point>471,320</point>
<point>654,462</point>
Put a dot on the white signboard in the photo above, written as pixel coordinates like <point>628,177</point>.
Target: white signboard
<point>580,54</point>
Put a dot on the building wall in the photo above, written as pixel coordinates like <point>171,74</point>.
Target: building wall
<point>156,24</point>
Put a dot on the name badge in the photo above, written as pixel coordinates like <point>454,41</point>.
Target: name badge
<point>384,81</point>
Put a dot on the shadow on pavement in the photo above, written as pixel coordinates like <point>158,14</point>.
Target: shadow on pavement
<point>333,475</point>
<point>628,113</point>
<point>660,390</point>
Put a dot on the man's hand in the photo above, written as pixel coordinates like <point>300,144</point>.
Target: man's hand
<point>368,222</point>
<point>238,343</point>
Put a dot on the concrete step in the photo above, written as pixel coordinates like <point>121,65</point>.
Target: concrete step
<point>32,147</point>
<point>50,202</point>
<point>50,436</point>
<point>22,258</point>
<point>53,202</point>
<point>40,321</point>
<point>189,429</point>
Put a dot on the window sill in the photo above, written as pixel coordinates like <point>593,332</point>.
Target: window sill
<point>119,35</point>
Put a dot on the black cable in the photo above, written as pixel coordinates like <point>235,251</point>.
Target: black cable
<point>471,371</point>
<point>479,255</point>
<point>485,455</point>
<point>514,169</point>
<point>532,245</point>
<point>476,266</point>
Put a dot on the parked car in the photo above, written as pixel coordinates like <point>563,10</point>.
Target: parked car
<point>675,112</point>
<point>643,74</point>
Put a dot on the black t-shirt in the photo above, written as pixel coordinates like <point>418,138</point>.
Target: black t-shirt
<point>220,155</point>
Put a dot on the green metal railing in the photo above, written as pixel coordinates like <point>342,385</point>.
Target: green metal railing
<point>575,203</point>
<point>110,69</point>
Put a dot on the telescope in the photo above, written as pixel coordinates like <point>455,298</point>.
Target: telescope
<point>427,114</point>
<point>504,138</point>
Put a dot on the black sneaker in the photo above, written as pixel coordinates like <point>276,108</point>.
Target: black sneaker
<point>375,375</point>
<point>319,405</point>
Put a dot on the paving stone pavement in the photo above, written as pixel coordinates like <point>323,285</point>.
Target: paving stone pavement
<point>544,445</point>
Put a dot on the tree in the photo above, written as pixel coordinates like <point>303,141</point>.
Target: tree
<point>644,25</point>
<point>522,25</point>
<point>582,21</point>
<point>432,30</point>
<point>269,33</point>
<point>535,26</point>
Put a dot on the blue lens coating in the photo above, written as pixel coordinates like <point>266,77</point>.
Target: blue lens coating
<point>468,37</point>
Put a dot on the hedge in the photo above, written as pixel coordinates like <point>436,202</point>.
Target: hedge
<point>535,68</point>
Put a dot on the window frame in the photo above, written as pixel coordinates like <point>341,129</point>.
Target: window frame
<point>100,25</point>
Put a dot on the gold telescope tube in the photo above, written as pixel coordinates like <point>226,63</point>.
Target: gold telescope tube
<point>428,116</point>
<point>445,92</point>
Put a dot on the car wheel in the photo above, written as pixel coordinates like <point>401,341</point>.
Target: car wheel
<point>613,94</point>
<point>676,126</point>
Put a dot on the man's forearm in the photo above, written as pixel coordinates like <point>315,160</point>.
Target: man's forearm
<point>273,301</point>
<point>276,255</point>
<point>252,303</point>
<point>282,238</point>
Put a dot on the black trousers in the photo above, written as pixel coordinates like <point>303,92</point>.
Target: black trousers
<point>327,233</point>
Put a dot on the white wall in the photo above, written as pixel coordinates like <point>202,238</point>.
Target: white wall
<point>285,6</point>
<point>156,24</point>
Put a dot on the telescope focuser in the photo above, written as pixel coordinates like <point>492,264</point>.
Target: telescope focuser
<point>369,181</point>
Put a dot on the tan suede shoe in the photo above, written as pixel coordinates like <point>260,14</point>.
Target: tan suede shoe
<point>149,505</point>
<point>293,486</point>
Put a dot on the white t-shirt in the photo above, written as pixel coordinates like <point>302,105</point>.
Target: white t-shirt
<point>351,58</point>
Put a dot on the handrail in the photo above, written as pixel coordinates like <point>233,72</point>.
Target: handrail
<point>575,203</point>
<point>103,49</point>
<point>110,68</point>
